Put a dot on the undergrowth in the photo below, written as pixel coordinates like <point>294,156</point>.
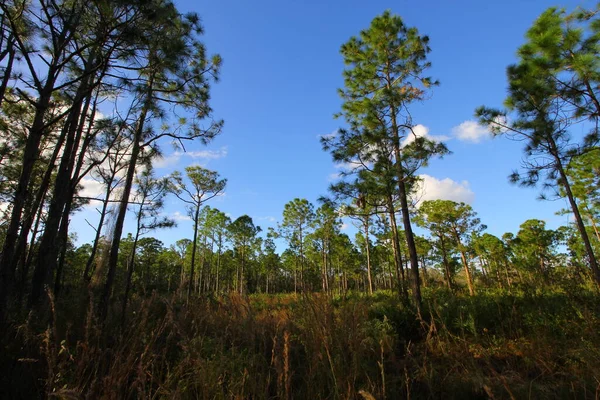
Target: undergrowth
<point>496,345</point>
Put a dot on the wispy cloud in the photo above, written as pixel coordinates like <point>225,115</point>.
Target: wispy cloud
<point>175,157</point>
<point>267,218</point>
<point>177,216</point>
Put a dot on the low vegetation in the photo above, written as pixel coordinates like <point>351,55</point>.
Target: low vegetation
<point>496,344</point>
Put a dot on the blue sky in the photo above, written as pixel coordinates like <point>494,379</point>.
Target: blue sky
<point>278,93</point>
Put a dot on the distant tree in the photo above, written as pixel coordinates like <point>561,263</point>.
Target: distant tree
<point>494,255</point>
<point>219,222</point>
<point>454,221</point>
<point>534,248</point>
<point>271,260</point>
<point>150,196</point>
<point>298,217</point>
<point>424,248</point>
<point>243,233</point>
<point>202,185</point>
<point>327,224</point>
<point>182,246</point>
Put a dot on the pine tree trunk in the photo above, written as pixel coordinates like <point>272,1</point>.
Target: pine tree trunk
<point>578,219</point>
<point>463,257</point>
<point>8,68</point>
<point>410,240</point>
<point>63,232</point>
<point>194,247</point>
<point>50,241</point>
<point>87,273</point>
<point>368,252</point>
<point>113,257</point>
<point>396,248</point>
<point>30,156</point>
<point>131,267</point>
<point>445,262</point>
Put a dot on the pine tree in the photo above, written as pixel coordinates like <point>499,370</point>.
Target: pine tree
<point>384,75</point>
<point>553,86</point>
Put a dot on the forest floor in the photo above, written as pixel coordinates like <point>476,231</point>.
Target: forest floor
<point>497,344</point>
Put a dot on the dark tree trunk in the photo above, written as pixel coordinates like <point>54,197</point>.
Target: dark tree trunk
<point>368,253</point>
<point>396,248</point>
<point>578,219</point>
<point>50,244</point>
<point>30,156</point>
<point>194,246</point>
<point>113,257</point>
<point>410,241</point>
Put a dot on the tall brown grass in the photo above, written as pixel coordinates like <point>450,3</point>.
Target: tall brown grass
<point>495,345</point>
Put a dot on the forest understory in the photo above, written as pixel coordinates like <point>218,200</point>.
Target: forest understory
<point>499,344</point>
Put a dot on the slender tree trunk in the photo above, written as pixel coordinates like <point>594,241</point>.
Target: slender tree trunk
<point>396,248</point>
<point>202,272</point>
<point>463,257</point>
<point>30,156</point>
<point>113,257</point>
<point>425,278</point>
<point>242,271</point>
<point>410,239</point>
<point>301,261</point>
<point>578,219</point>
<point>403,195</point>
<point>218,265</point>
<point>593,222</point>
<point>507,274</point>
<point>445,262</point>
<point>296,278</point>
<point>38,202</point>
<point>368,253</point>
<point>50,242</point>
<point>8,69</point>
<point>131,267</point>
<point>63,232</point>
<point>194,246</point>
<point>27,256</point>
<point>87,273</point>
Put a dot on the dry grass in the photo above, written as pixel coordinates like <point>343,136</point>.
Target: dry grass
<point>266,347</point>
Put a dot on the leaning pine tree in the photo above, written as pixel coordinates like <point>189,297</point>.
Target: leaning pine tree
<point>553,87</point>
<point>384,76</point>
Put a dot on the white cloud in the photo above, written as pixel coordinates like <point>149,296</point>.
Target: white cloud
<point>422,131</point>
<point>177,216</point>
<point>208,154</point>
<point>344,226</point>
<point>443,189</point>
<point>92,188</point>
<point>168,161</point>
<point>175,158</point>
<point>471,131</point>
